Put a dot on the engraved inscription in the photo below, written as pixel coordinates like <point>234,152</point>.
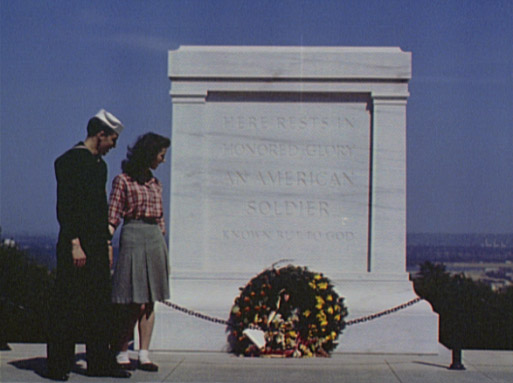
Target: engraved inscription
<point>288,235</point>
<point>290,178</point>
<point>292,170</point>
<point>288,208</point>
<point>286,123</point>
<point>278,150</point>
<point>303,178</point>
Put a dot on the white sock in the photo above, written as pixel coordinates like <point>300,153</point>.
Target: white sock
<point>144,356</point>
<point>122,357</point>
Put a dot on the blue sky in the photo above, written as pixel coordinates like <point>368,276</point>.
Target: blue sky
<point>61,61</point>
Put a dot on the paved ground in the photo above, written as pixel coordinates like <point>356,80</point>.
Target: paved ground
<point>26,363</point>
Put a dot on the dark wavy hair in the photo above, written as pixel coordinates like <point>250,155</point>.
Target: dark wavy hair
<point>142,154</point>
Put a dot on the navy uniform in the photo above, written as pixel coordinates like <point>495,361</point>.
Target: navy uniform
<point>81,306</point>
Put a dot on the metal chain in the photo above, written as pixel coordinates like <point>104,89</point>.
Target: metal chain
<point>226,323</point>
<point>349,323</point>
<point>383,313</point>
<point>195,313</point>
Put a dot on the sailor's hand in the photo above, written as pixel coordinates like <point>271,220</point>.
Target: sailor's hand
<point>79,257</point>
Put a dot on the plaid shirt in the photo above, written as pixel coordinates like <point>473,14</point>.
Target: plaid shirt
<point>131,200</point>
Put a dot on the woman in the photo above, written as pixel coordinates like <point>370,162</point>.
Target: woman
<point>141,275</point>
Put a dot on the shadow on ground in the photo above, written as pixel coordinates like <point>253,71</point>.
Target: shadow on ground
<point>38,365</point>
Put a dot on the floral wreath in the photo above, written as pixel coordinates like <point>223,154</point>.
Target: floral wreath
<point>288,312</point>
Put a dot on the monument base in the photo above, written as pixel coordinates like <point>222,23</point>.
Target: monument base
<point>294,153</point>
<point>410,330</point>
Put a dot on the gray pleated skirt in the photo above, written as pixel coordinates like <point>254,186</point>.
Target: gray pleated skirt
<point>142,269</point>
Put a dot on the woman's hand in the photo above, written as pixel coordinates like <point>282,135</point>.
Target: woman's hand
<point>111,254</point>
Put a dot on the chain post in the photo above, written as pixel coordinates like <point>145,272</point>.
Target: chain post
<point>456,360</point>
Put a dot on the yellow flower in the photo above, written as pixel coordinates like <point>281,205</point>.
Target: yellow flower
<point>330,310</point>
<point>317,276</point>
<point>322,317</point>
<point>329,298</point>
<point>337,317</point>
<point>323,285</point>
<point>307,313</point>
<point>319,300</point>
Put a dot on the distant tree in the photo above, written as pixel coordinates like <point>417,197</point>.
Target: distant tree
<point>505,302</point>
<point>432,283</point>
<point>471,314</point>
<point>24,295</point>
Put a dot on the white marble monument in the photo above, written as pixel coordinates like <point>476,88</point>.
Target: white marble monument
<point>291,153</point>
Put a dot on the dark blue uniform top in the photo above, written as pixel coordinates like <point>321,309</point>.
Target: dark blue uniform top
<point>82,207</point>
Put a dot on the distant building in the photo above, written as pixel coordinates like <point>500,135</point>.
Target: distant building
<point>10,243</point>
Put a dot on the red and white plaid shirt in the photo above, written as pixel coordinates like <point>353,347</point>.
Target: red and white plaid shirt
<point>131,200</point>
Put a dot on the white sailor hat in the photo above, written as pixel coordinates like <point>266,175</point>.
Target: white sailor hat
<point>110,120</point>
